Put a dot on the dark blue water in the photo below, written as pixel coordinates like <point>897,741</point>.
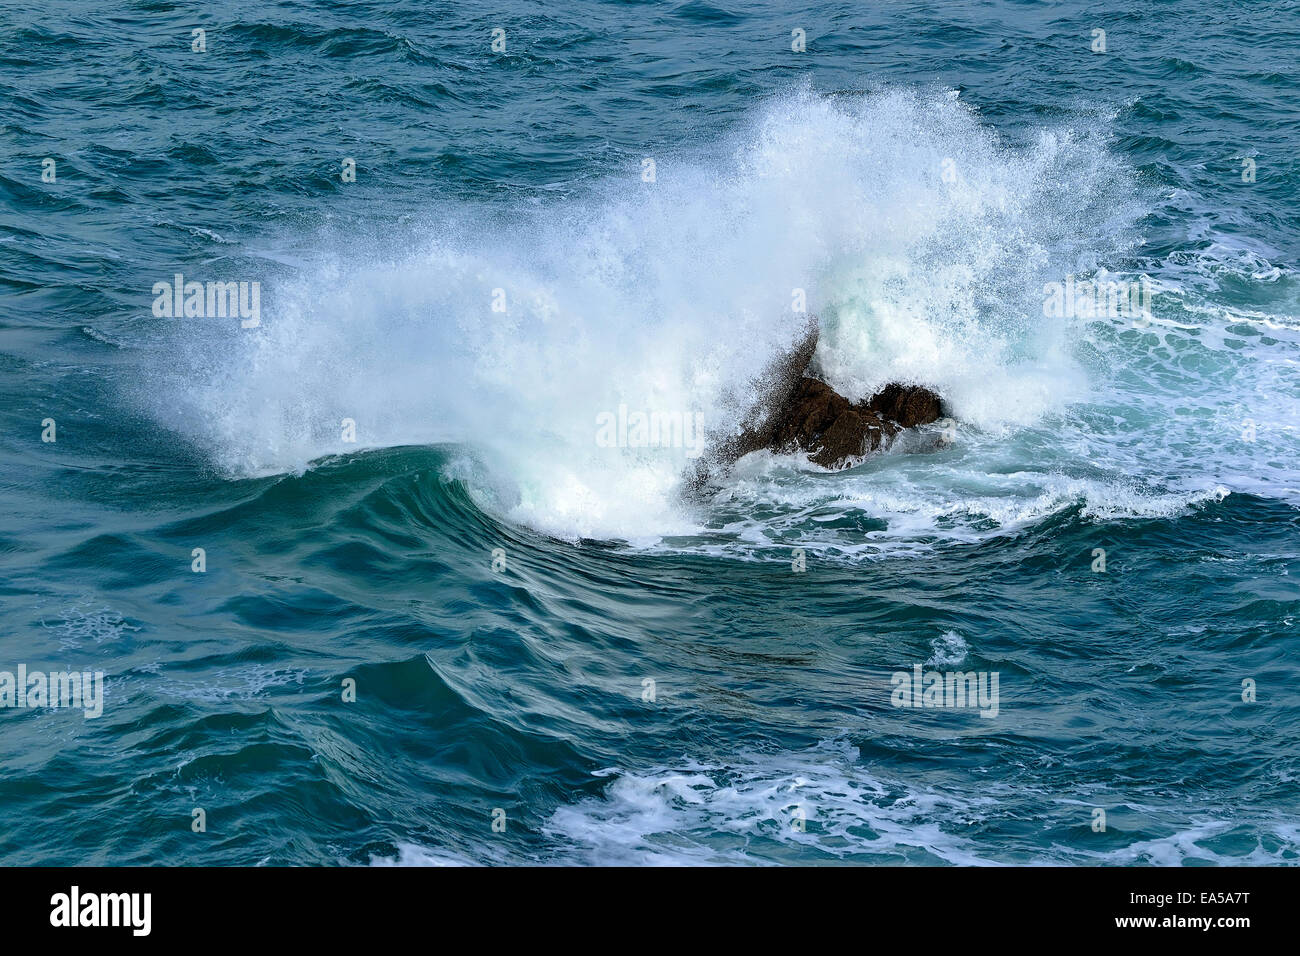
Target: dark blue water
<point>438,620</point>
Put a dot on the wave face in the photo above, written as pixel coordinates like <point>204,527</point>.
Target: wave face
<point>400,477</point>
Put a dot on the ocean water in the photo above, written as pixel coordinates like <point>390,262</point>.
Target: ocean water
<point>437,621</point>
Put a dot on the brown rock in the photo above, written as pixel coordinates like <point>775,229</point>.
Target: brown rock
<point>771,392</point>
<point>792,411</point>
<point>906,405</point>
<point>836,433</point>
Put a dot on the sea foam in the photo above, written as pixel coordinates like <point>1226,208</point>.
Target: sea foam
<point>921,238</point>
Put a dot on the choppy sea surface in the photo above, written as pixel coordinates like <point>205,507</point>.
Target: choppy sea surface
<point>434,620</point>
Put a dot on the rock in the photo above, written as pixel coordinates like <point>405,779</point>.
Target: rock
<point>774,390</point>
<point>794,412</point>
<point>906,405</point>
<point>836,433</point>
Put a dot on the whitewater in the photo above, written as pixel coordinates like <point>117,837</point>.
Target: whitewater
<point>922,241</point>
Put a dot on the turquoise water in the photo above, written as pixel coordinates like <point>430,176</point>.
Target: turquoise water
<point>643,678</point>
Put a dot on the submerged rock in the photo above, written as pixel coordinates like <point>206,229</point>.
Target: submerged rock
<point>795,412</point>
